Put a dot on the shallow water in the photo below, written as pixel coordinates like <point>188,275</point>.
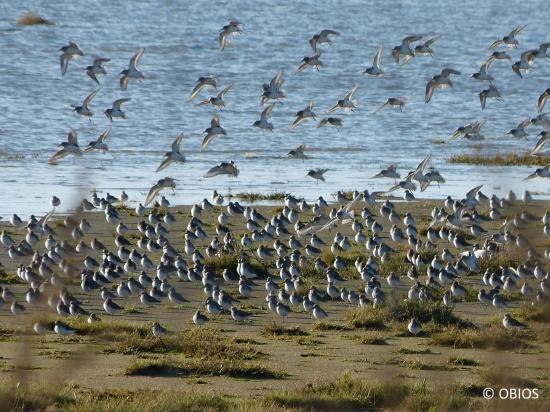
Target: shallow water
<point>181,44</point>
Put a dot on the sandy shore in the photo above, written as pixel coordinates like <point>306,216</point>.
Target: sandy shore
<point>325,353</point>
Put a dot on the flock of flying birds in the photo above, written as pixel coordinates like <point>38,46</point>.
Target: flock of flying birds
<point>411,47</point>
<point>293,239</point>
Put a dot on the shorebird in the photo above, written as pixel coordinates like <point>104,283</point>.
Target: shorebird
<point>417,175</point>
<point>202,83</point>
<point>263,123</point>
<point>332,121</point>
<point>239,315</point>
<point>224,168</point>
<point>97,68</point>
<point>425,49</point>
<point>540,172</point>
<point>233,28</point>
<point>390,172</point>
<point>116,111</point>
<point>99,144</point>
<point>164,183</point>
<point>317,174</point>
<point>519,130</point>
<point>158,330</point>
<point>310,61</point>
<point>394,102</point>
<point>132,72</point>
<point>217,101</point>
<point>303,115</point>
<point>214,130</point>
<point>483,74</point>
<point>525,62</point>
<point>322,38</point>
<point>273,90</point>
<point>539,150</point>
<point>71,51</point>
<point>173,155</point>
<point>199,318</point>
<point>298,153</point>
<point>83,109</point>
<point>347,103</point>
<point>62,329</point>
<point>375,69</point>
<point>439,81</point>
<point>542,100</point>
<point>111,307</point>
<point>469,131</point>
<point>512,324</point>
<point>404,49</point>
<point>492,92</point>
<point>510,39</point>
<point>68,147</point>
<point>414,327</point>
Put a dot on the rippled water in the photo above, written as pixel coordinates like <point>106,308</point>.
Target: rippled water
<point>181,44</point>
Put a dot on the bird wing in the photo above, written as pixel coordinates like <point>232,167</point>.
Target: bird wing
<point>410,39</point>
<point>222,40</point>
<point>64,63</point>
<point>206,141</point>
<point>134,61</point>
<point>540,144</point>
<point>117,103</point>
<point>267,111</point>
<point>176,143</point>
<point>326,32</point>
<point>278,80</point>
<point>164,164</point>
<point>215,121</point>
<point>89,98</point>
<point>420,168</point>
<point>92,76</point>
<point>482,100</point>
<point>57,156</point>
<point>153,192</point>
<point>352,203</point>
<point>542,101</point>
<point>105,134</point>
<point>378,56</point>
<point>214,171</point>
<point>350,94</point>
<point>224,91</point>
<point>473,192</point>
<point>431,41</point>
<point>313,43</point>
<point>124,82</point>
<point>496,43</point>
<point>72,137</point>
<point>100,61</point>
<point>430,87</point>
<point>196,90</point>
<point>517,30</point>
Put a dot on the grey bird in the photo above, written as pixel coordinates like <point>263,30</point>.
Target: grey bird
<point>322,38</point>
<point>173,155</point>
<point>132,72</point>
<point>202,83</point>
<point>97,69</point>
<point>67,148</point>
<point>224,168</point>
<point>164,183</point>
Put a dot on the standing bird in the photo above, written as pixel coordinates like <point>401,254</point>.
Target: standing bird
<point>322,38</point>
<point>97,68</point>
<point>132,72</point>
<point>71,51</point>
<point>263,123</point>
<point>202,83</point>
<point>375,69</point>
<point>347,103</point>
<point>492,92</point>
<point>84,110</point>
<point>173,155</point>
<point>214,130</point>
<point>439,81</point>
<point>164,183</point>
<point>233,28</point>
<point>510,39</point>
<point>99,144</point>
<point>68,147</point>
<point>116,111</point>
<point>542,100</point>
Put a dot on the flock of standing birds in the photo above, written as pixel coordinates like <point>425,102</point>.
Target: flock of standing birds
<point>152,270</point>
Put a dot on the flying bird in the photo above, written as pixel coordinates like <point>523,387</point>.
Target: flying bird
<point>393,102</point>
<point>132,72</point>
<point>303,115</point>
<point>224,168</point>
<point>116,111</point>
<point>317,174</point>
<point>404,49</point>
<point>273,90</point>
<point>214,130</point>
<point>542,99</point>
<point>84,110</point>
<point>510,39</point>
<point>202,83</point>
<point>263,123</point>
<point>99,144</point>
<point>375,69</point>
<point>322,38</point>
<point>310,61</point>
<point>492,92</point>
<point>67,148</point>
<point>233,28</point>
<point>173,155</point>
<point>71,51</point>
<point>97,68</point>
<point>165,183</point>
<point>347,103</point>
<point>439,81</point>
<point>217,101</point>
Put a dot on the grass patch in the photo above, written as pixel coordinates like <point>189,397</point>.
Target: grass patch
<point>254,196</point>
<point>419,365</point>
<point>409,351</point>
<point>197,343</point>
<point>330,326</point>
<point>489,337</point>
<point>9,278</point>
<point>509,159</point>
<point>294,334</point>
<point>463,361</point>
<point>369,339</point>
<point>204,367</point>
<point>111,331</point>
<point>31,19</point>
<point>6,333</point>
<point>537,313</point>
<point>399,312</point>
